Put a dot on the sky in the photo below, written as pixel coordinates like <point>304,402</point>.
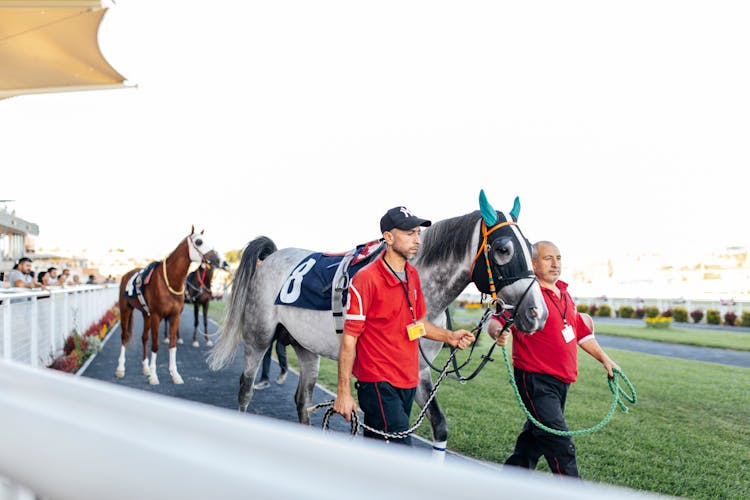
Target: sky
<point>623,127</point>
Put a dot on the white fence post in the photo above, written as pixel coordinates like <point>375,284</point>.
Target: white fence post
<point>34,348</point>
<point>6,329</point>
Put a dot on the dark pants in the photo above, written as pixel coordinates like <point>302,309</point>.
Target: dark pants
<point>544,396</point>
<point>386,408</point>
<point>280,353</point>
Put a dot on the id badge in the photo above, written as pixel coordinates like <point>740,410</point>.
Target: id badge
<point>568,333</point>
<point>415,330</point>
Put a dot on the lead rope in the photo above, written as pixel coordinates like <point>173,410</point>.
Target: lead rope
<point>356,424</point>
<point>614,387</point>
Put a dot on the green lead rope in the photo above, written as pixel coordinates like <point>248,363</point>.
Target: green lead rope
<point>614,386</point>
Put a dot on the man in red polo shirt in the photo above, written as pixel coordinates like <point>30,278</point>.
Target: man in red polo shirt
<point>546,363</point>
<point>385,319</point>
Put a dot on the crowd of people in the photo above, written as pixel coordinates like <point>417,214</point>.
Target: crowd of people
<point>22,276</point>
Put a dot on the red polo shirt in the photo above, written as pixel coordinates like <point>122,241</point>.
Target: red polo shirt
<point>378,315</point>
<point>547,351</point>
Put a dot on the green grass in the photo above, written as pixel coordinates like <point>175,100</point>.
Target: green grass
<point>738,341</point>
<point>688,435</point>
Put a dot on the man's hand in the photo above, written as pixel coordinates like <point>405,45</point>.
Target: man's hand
<point>494,328</point>
<point>344,405</point>
<point>609,365</point>
<point>461,339</point>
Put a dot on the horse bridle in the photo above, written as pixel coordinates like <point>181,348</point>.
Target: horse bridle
<point>511,310</point>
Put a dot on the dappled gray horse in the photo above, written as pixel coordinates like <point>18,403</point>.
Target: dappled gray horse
<point>454,253</point>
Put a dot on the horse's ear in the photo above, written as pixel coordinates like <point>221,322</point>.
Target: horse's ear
<point>192,229</point>
<point>488,213</point>
<point>516,209</point>
<point>202,231</point>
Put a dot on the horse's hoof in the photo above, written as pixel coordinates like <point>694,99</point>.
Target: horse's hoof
<point>166,340</point>
<point>195,343</point>
<point>120,373</point>
<point>177,379</point>
<point>153,380</point>
<point>209,343</point>
<point>179,341</point>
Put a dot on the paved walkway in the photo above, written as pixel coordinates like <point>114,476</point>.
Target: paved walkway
<point>217,388</point>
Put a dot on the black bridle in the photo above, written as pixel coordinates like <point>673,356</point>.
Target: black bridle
<point>500,305</point>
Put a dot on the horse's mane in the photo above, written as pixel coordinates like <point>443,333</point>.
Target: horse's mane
<point>448,239</point>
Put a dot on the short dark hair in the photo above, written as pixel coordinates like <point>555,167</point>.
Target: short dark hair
<point>24,259</point>
<point>50,269</point>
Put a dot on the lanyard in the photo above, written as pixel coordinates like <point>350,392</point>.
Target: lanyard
<point>564,310</point>
<point>404,287</point>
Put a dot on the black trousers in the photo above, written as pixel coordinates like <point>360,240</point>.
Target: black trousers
<point>386,408</point>
<point>544,397</point>
<point>280,353</point>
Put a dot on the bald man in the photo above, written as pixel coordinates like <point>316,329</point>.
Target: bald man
<point>546,363</point>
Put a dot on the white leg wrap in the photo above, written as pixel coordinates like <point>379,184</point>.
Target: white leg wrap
<point>153,379</point>
<point>173,366</point>
<point>120,371</point>
<point>438,451</point>
<point>146,369</point>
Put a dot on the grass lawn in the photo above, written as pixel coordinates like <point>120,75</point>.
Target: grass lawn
<point>688,435</point>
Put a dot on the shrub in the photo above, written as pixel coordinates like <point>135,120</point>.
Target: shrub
<point>582,308</point>
<point>652,312</point>
<point>745,319</point>
<point>604,311</point>
<point>639,313</point>
<point>713,317</point>
<point>65,364</point>
<point>697,315</point>
<point>680,314</point>
<point>625,312</point>
<point>667,313</point>
<point>730,318</point>
<point>593,309</point>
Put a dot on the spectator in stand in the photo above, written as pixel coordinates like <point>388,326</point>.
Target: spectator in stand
<point>76,280</point>
<point>43,278</point>
<point>3,281</point>
<point>64,277</point>
<point>110,279</point>
<point>23,277</point>
<point>91,280</point>
<point>54,278</point>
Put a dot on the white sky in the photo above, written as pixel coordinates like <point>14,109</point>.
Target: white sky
<point>621,126</point>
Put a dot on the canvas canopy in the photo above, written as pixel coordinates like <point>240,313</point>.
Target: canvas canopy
<point>52,46</point>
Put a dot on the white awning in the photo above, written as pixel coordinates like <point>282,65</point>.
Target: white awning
<point>52,46</point>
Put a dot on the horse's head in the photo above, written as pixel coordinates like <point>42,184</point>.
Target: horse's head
<point>503,260</point>
<point>202,251</point>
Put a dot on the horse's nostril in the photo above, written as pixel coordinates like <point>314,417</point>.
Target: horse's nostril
<point>533,312</point>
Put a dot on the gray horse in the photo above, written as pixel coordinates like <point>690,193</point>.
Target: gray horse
<point>446,263</point>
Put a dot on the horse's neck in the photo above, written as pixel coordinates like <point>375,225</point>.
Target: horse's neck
<point>442,284</point>
<point>178,263</point>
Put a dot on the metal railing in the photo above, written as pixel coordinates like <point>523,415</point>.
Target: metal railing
<point>35,324</point>
<point>66,437</point>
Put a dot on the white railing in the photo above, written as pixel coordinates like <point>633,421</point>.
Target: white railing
<point>66,437</point>
<point>34,324</point>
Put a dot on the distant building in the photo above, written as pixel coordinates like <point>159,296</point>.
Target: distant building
<point>16,238</point>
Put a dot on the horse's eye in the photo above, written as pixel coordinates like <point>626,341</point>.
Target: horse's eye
<point>503,250</point>
<point>198,242</point>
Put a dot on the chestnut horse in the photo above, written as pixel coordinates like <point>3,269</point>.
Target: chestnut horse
<point>198,292</point>
<point>162,302</point>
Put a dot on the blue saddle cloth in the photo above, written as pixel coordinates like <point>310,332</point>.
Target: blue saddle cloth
<point>310,284</point>
<point>135,285</point>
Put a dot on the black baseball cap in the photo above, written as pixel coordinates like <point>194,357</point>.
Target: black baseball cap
<point>401,218</point>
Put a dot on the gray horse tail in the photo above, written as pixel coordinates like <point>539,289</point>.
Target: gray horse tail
<point>230,333</point>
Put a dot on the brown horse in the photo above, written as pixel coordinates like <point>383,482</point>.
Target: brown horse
<point>160,300</point>
<point>198,292</point>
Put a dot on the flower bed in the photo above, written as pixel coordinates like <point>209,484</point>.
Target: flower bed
<point>78,348</point>
<point>659,322</point>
